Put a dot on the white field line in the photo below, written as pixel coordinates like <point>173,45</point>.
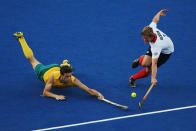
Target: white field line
<point>117,118</point>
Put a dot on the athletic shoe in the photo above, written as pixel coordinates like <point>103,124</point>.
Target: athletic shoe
<point>135,63</point>
<point>18,34</point>
<point>132,83</point>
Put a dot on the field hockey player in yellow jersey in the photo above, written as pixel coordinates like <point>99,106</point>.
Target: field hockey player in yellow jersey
<point>54,75</point>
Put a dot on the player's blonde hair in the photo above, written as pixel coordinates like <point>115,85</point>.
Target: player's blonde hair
<point>147,31</point>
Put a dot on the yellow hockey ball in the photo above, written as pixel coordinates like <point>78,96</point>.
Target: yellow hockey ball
<point>133,94</point>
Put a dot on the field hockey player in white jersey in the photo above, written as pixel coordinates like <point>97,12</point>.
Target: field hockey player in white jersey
<point>160,49</point>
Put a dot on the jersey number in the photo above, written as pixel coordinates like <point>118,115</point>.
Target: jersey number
<point>160,36</point>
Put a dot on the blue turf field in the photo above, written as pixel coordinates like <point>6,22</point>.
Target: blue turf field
<point>100,38</point>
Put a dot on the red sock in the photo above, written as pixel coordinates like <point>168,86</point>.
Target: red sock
<point>141,74</point>
<point>141,59</point>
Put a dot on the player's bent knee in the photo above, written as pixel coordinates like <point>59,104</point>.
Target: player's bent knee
<point>33,61</point>
<point>148,69</point>
<point>30,59</point>
<point>145,64</point>
<point>146,61</point>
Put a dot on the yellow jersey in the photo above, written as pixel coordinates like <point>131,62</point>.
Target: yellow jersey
<point>56,83</point>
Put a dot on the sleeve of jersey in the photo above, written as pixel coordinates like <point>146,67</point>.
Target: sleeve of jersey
<point>153,25</point>
<point>73,79</point>
<point>155,52</point>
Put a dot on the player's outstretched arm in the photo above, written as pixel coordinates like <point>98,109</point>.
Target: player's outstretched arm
<point>89,90</point>
<point>47,89</point>
<point>157,16</point>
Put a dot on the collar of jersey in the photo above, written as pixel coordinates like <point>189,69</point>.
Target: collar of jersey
<point>154,39</point>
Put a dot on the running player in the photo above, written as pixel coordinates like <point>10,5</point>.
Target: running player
<point>54,75</point>
<point>160,49</point>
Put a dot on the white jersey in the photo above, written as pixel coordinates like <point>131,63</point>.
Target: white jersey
<point>161,44</point>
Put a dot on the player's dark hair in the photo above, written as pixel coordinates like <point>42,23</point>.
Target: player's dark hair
<point>147,31</point>
<point>65,69</point>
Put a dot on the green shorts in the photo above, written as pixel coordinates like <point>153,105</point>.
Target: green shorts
<point>40,70</point>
